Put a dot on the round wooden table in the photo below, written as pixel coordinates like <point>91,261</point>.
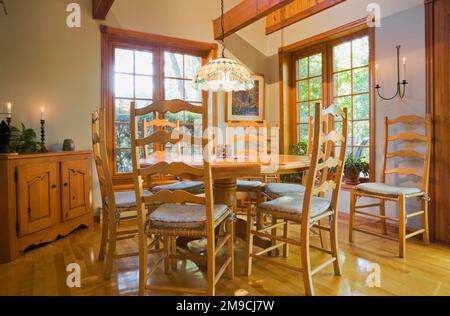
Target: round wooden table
<point>225,173</point>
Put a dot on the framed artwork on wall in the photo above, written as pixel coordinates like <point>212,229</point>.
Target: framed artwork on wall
<point>246,105</point>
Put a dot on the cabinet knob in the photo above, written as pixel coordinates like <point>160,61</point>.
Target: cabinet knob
<point>54,186</point>
<point>66,184</point>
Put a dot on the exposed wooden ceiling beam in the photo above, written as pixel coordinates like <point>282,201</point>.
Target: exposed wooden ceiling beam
<point>296,11</point>
<point>100,8</point>
<point>245,13</point>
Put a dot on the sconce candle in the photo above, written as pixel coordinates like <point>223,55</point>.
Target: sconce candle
<point>404,68</point>
<point>42,113</point>
<point>9,107</point>
<point>377,69</point>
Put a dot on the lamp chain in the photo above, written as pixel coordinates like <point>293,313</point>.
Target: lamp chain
<point>222,40</point>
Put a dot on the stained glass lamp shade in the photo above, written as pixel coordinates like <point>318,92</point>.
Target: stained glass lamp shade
<point>223,74</point>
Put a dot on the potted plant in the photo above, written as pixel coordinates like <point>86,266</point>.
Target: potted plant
<point>354,168</point>
<point>299,149</point>
<point>24,141</point>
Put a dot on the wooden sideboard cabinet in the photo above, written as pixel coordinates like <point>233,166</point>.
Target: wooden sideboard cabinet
<point>42,196</point>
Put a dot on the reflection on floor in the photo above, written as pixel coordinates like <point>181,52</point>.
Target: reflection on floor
<point>42,271</point>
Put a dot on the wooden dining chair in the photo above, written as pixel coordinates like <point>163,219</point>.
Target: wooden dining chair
<point>308,209</point>
<point>162,126</point>
<point>114,204</point>
<point>399,194</point>
<point>182,214</point>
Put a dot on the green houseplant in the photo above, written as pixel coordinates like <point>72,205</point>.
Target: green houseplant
<point>24,141</point>
<point>354,168</point>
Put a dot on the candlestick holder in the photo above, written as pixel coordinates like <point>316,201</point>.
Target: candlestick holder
<point>8,118</point>
<point>401,85</point>
<point>43,148</point>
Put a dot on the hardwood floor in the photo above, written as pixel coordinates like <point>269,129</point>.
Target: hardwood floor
<point>42,271</point>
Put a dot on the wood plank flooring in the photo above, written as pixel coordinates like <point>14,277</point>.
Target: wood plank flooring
<point>42,271</point>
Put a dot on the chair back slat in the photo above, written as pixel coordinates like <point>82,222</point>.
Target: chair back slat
<point>324,187</point>
<point>407,119</point>
<point>160,123</point>
<point>331,162</point>
<point>407,137</point>
<point>407,153</point>
<point>174,168</point>
<point>405,172</point>
<point>172,106</point>
<point>178,196</point>
<point>254,138</point>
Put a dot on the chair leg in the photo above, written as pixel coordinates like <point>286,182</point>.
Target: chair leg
<point>334,244</point>
<point>273,232</point>
<point>285,235</point>
<point>112,238</point>
<point>402,226</point>
<point>426,224</point>
<point>173,251</point>
<point>383,213</point>
<point>306,261</point>
<point>230,248</point>
<point>249,247</point>
<point>168,252</point>
<point>104,238</point>
<point>322,234</point>
<point>143,251</point>
<point>352,215</point>
<point>211,266</point>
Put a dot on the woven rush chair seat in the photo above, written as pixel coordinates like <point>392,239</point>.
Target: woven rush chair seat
<point>248,185</point>
<point>276,190</point>
<point>127,200</point>
<point>183,220</point>
<point>290,207</point>
<point>384,189</point>
<point>189,186</point>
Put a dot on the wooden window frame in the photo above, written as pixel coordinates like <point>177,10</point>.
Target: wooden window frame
<point>112,38</point>
<point>322,42</point>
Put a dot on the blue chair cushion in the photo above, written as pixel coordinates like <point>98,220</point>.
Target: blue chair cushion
<point>293,205</point>
<point>275,190</point>
<point>180,216</point>
<point>244,185</point>
<point>384,189</point>
<point>189,186</point>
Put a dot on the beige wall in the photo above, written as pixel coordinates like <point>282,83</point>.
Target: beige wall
<point>42,62</point>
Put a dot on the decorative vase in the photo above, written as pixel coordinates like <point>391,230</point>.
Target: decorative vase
<point>69,145</point>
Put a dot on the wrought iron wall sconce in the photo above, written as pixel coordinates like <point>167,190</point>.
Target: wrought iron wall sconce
<point>401,84</point>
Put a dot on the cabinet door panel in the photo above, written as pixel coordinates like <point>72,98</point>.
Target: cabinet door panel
<point>37,196</point>
<point>76,188</point>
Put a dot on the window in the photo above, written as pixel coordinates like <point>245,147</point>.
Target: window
<point>145,68</point>
<point>351,82</point>
<point>309,91</point>
<point>346,82</point>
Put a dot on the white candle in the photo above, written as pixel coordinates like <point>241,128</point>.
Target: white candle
<point>404,68</point>
<point>42,113</point>
<point>9,106</point>
<point>377,68</point>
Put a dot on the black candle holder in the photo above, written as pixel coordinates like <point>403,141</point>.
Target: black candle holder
<point>401,85</point>
<point>8,118</point>
<point>43,148</point>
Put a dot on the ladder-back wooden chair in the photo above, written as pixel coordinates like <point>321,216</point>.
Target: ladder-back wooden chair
<point>114,204</point>
<point>182,214</point>
<point>163,127</point>
<point>399,194</point>
<point>308,209</point>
